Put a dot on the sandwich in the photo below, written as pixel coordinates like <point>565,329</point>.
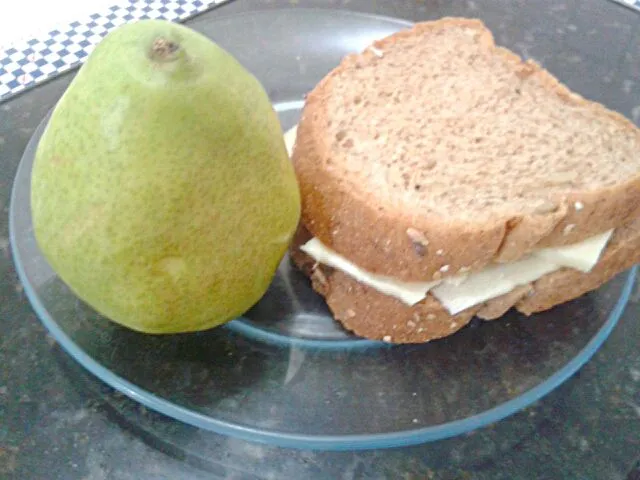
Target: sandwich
<point>444,178</point>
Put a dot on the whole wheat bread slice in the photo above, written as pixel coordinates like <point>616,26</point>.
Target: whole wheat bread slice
<point>374,315</point>
<point>437,151</point>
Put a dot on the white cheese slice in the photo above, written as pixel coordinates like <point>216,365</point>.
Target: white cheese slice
<point>408,292</point>
<point>458,293</point>
<point>496,280</point>
<point>582,256</point>
<point>491,282</point>
<point>290,138</point>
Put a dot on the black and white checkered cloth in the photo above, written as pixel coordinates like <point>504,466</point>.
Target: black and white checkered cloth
<point>29,62</point>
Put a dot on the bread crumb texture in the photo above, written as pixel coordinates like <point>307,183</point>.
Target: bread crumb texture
<point>463,128</point>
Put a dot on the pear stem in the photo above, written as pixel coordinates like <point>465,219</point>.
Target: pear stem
<point>164,50</point>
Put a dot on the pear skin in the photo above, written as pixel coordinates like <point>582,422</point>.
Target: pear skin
<point>162,193</point>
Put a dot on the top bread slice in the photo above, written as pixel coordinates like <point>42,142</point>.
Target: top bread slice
<point>435,152</point>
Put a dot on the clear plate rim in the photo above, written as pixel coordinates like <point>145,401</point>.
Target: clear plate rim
<point>301,441</point>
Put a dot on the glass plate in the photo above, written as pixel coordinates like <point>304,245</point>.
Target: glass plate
<point>285,373</point>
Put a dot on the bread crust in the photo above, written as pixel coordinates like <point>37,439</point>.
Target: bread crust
<point>373,315</point>
<point>382,239</point>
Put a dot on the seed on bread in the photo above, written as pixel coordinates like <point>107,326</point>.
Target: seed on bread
<point>546,206</point>
<point>376,51</point>
<point>318,276</point>
<point>418,240</point>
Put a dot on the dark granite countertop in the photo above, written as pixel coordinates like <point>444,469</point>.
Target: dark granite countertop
<point>58,422</point>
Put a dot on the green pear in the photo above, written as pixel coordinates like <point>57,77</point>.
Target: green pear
<point>162,193</point>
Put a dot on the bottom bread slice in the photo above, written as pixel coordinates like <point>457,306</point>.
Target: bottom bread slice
<point>373,315</point>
